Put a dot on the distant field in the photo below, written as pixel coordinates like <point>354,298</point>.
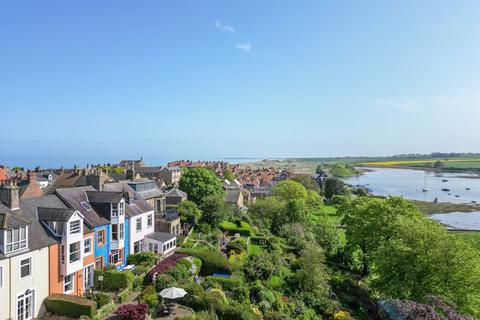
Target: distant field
<point>448,163</point>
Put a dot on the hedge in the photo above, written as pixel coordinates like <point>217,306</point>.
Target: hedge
<point>123,296</point>
<point>113,280</point>
<point>70,306</point>
<point>240,227</point>
<point>142,258</point>
<point>211,261</point>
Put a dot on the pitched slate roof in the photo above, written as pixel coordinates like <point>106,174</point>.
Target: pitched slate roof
<point>139,205</point>
<point>73,197</point>
<point>104,196</point>
<point>54,214</point>
<point>175,192</point>
<point>232,196</point>
<point>161,236</point>
<point>148,170</point>
<point>38,236</point>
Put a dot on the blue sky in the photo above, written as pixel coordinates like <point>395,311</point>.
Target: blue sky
<point>104,80</point>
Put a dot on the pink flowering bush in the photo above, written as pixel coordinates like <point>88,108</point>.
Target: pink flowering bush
<point>166,264</point>
<point>132,311</point>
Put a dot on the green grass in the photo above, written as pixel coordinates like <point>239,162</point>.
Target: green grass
<point>469,236</point>
<point>429,207</point>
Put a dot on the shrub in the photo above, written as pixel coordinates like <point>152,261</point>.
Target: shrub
<point>132,311</point>
<point>186,263</point>
<point>113,280</point>
<point>165,264</point>
<point>140,270</point>
<point>164,281</point>
<point>227,284</point>
<point>123,296</point>
<point>211,261</point>
<point>101,299</point>
<point>178,272</point>
<point>240,227</point>
<point>198,264</point>
<point>142,258</point>
<point>238,246</point>
<point>149,296</point>
<point>235,310</point>
<point>70,306</point>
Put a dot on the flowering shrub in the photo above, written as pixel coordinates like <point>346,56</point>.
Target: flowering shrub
<point>132,311</point>
<point>166,264</point>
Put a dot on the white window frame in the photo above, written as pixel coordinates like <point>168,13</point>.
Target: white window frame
<point>22,243</point>
<point>136,224</point>
<point>85,276</point>
<point>114,209</point>
<point>32,303</point>
<point>91,246</point>
<point>121,231</point>
<point>121,208</point>
<point>79,252</point>
<point>20,267</point>
<point>72,283</point>
<point>114,232</point>
<point>102,231</point>
<point>149,220</point>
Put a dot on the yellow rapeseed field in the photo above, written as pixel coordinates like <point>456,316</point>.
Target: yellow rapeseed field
<point>407,162</point>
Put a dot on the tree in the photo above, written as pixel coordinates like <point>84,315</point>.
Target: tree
<point>311,278</point>
<point>228,174</point>
<point>369,222</point>
<point>289,190</point>
<point>334,187</point>
<point>295,211</point>
<point>190,214</point>
<point>421,258</point>
<point>214,210</point>
<point>260,267</point>
<point>307,181</point>
<point>270,211</point>
<point>313,199</point>
<point>199,183</point>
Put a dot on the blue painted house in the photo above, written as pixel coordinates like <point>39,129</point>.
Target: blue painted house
<point>104,213</point>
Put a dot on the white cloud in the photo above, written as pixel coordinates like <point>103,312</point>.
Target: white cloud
<point>224,27</point>
<point>244,46</point>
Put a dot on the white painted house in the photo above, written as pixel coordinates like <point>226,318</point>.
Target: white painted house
<point>140,212</point>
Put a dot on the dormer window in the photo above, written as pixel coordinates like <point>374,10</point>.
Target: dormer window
<point>16,239</point>
<point>75,227</point>
<point>114,210</point>
<point>121,208</point>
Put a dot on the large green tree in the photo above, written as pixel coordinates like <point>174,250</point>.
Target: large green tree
<point>333,187</point>
<point>307,181</point>
<point>190,214</point>
<point>369,222</point>
<point>214,210</point>
<point>200,183</point>
<point>290,190</point>
<point>421,258</point>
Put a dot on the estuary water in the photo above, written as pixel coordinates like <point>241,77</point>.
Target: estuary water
<point>409,184</point>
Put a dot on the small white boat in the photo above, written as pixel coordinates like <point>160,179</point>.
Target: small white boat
<point>425,188</point>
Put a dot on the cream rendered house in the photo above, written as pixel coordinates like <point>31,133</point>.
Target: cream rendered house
<point>24,263</point>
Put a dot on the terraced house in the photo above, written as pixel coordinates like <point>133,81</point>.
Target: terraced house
<point>24,254</point>
<point>104,213</point>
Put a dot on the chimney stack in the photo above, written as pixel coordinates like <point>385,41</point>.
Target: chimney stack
<point>9,194</point>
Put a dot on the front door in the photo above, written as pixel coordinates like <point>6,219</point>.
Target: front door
<point>25,307</point>
<point>99,263</point>
<point>88,277</point>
